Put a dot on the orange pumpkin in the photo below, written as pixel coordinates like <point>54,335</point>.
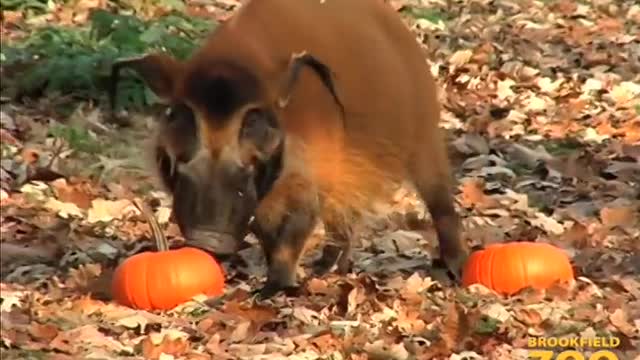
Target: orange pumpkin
<point>165,279</point>
<point>510,267</point>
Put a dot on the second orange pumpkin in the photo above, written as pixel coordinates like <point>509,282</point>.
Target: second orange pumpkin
<point>510,267</point>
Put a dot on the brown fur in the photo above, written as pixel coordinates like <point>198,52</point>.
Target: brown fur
<point>174,141</point>
<point>335,165</point>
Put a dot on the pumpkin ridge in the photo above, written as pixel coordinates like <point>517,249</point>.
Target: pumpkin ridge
<point>491,264</point>
<point>174,278</point>
<point>523,267</point>
<point>147,293</point>
<point>147,285</point>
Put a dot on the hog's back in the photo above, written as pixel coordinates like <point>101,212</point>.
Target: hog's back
<point>381,73</point>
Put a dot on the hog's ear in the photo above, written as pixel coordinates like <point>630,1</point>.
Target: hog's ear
<point>260,135</point>
<point>158,70</point>
<point>322,70</point>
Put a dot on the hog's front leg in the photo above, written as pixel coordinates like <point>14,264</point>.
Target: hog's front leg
<point>283,223</point>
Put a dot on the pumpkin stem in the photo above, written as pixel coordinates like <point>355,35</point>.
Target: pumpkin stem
<point>158,235</point>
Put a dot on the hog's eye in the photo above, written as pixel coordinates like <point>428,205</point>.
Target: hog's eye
<point>252,123</point>
<point>179,112</point>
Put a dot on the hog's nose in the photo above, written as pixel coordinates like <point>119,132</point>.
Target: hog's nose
<point>212,241</point>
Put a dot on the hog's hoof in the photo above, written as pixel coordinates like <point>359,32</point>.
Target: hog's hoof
<point>345,266</point>
<point>270,290</point>
<point>326,261</point>
<point>454,265</point>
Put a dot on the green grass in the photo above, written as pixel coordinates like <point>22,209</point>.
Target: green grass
<point>561,147</point>
<point>11,354</point>
<point>78,138</point>
<point>432,15</point>
<point>74,62</point>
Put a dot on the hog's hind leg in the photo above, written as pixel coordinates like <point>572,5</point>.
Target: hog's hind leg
<point>337,251</point>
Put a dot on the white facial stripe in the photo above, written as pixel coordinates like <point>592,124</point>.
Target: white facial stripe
<point>230,154</point>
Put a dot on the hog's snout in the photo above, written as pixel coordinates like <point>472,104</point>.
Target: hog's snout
<point>213,241</point>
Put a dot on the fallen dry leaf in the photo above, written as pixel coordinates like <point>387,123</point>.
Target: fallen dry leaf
<point>168,346</point>
<point>461,57</point>
<point>620,321</point>
<point>380,350</point>
<point>107,210</point>
<point>619,216</point>
<point>64,209</point>
<point>80,277</point>
<point>71,194</point>
<point>71,341</point>
<point>43,332</point>
<point>473,195</point>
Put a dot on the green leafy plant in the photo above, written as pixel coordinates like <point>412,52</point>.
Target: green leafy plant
<point>76,62</point>
<point>149,6</point>
<point>38,6</point>
<point>487,325</point>
<point>78,138</point>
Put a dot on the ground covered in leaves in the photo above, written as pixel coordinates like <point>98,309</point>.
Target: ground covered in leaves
<point>542,103</point>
